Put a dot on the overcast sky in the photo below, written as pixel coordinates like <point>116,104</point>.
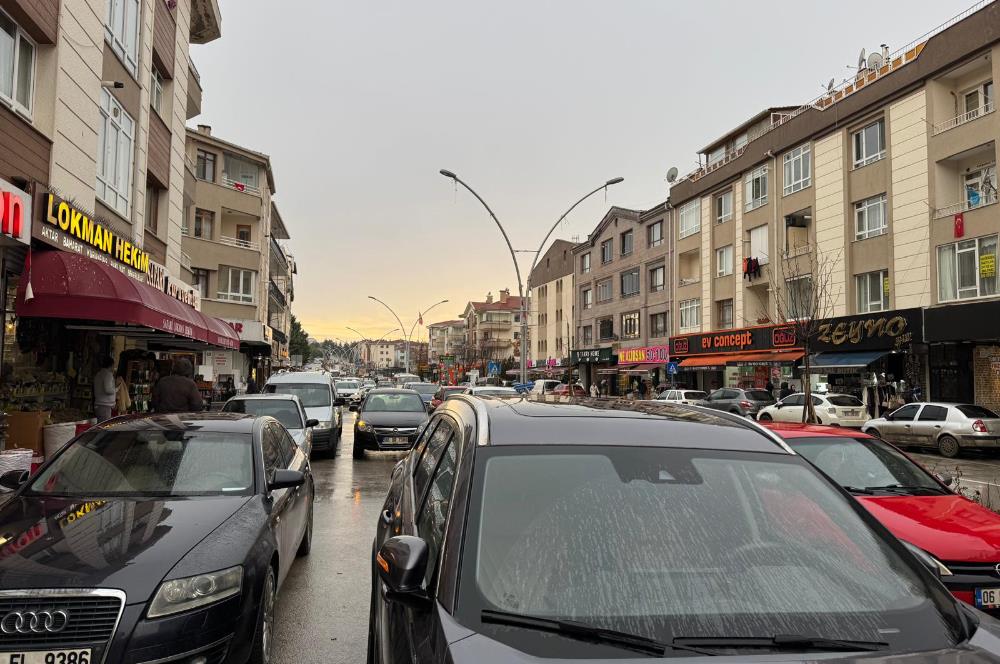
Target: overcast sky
<point>532,102</point>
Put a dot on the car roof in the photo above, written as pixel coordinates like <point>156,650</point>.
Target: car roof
<point>269,396</point>
<point>216,422</point>
<point>299,377</point>
<point>799,430</point>
<point>610,422</point>
<point>392,390</point>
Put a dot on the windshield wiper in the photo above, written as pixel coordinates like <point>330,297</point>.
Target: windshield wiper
<point>781,642</point>
<point>906,488</point>
<point>855,489</point>
<point>584,632</point>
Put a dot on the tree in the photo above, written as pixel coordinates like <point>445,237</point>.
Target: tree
<point>801,288</point>
<point>298,342</point>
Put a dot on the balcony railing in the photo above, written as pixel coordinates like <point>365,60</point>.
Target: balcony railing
<point>240,186</point>
<point>988,198</point>
<point>960,120</point>
<point>237,242</point>
<point>185,260</point>
<point>278,253</point>
<point>276,293</point>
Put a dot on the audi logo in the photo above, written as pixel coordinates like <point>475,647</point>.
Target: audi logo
<point>34,622</point>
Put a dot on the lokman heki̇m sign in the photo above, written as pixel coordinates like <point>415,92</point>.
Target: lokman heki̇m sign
<point>76,224</point>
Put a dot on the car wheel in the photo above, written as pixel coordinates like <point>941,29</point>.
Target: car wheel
<point>872,432</point>
<point>264,634</point>
<point>359,451</point>
<point>305,546</point>
<point>764,417</point>
<point>948,447</point>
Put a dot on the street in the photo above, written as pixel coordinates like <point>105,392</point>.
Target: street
<point>977,475</point>
<point>324,601</point>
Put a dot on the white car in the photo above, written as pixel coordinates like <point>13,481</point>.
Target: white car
<point>545,386</point>
<point>493,391</point>
<point>691,397</point>
<point>836,409</point>
<point>286,408</point>
<point>319,397</point>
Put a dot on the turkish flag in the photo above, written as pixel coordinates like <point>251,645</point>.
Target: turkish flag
<point>239,186</point>
<point>959,225</point>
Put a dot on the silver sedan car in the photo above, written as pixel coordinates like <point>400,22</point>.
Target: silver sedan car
<point>947,427</point>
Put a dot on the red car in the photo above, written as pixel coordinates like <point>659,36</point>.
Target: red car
<point>443,393</point>
<point>962,537</point>
<point>574,390</point>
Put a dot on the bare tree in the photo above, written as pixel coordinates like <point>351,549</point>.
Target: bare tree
<point>802,291</point>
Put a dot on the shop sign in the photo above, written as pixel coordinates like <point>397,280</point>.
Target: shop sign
<point>592,356</point>
<point>250,330</point>
<point>18,543</point>
<point>158,278</point>
<point>890,330</point>
<point>15,213</point>
<point>988,265</point>
<point>644,355</point>
<point>729,341</point>
<point>68,228</point>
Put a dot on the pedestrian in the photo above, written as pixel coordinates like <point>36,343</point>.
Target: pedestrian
<point>604,387</point>
<point>643,389</point>
<point>104,389</point>
<point>594,392</point>
<point>123,401</point>
<point>785,390</point>
<point>177,393</point>
<point>251,385</point>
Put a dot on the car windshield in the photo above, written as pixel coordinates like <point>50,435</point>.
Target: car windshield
<point>977,412</point>
<point>423,388</point>
<point>495,392</point>
<point>844,400</point>
<point>863,462</point>
<point>154,462</point>
<point>669,542</point>
<point>312,395</point>
<point>285,411</point>
<point>348,385</point>
<point>694,395</point>
<point>759,395</point>
<point>394,403</point>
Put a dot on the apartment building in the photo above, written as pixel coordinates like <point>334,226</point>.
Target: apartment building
<point>233,238</point>
<point>391,355</point>
<point>551,319</point>
<point>446,340</point>
<point>493,328</point>
<point>880,196</point>
<point>622,299</point>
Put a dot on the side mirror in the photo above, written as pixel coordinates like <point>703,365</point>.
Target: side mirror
<point>888,417</point>
<point>946,480</point>
<point>312,422</point>
<point>13,479</point>
<point>779,405</point>
<point>402,565</point>
<point>286,479</point>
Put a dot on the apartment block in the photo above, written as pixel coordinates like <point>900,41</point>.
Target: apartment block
<point>551,299</point>
<point>493,328</point>
<point>446,338</point>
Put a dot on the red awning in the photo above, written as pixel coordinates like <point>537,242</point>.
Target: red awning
<point>748,358</point>
<point>68,285</point>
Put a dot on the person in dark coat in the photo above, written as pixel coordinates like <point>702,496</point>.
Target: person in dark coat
<point>785,391</point>
<point>177,393</point>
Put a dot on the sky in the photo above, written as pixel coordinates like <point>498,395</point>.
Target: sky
<point>533,103</point>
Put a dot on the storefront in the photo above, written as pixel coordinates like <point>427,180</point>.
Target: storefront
<point>596,366</point>
<point>964,352</point>
<point>252,364</point>
<point>645,363</point>
<point>753,357</point>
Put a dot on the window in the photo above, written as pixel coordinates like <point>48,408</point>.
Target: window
<point>607,251</point>
<point>604,290</point>
<point>967,269</point>
<point>626,243</point>
<point>243,234</point>
<point>630,325</point>
<point>978,100</point>
<point>431,454</point>
<point>869,143</point>
<point>587,335</point>
<point>798,169</point>
<point>654,234</point>
<point>156,90</point>
<point>724,261</point>
<point>587,298</point>
<point>657,278</point>
<point>235,284</point>
<point>152,208</point>
<point>933,414</point>
<point>606,328</point>
<point>980,186</point>
<point>240,170</point>
<point>200,280</point>
<point>559,315</point>
<point>798,292</point>
<point>431,522</point>
<point>630,282</point>
<point>873,291</point>
<point>559,346</point>
<point>17,66</point>
<point>756,188</point>
<point>114,155</point>
<point>724,207</point>
<point>715,155</point>
<point>203,221</point>
<point>585,263</point>
<point>906,413</point>
<point>658,324</point>
<point>121,30</point>
<point>690,219</point>
<point>869,217</point>
<point>559,288</point>
<point>206,166</point>
<point>690,315</point>
<point>758,244</point>
<point>724,314</point>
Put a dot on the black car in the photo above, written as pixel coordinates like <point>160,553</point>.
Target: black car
<point>388,419</point>
<point>518,531</point>
<point>154,539</point>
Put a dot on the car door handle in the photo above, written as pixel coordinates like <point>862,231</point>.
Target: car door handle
<point>937,426</point>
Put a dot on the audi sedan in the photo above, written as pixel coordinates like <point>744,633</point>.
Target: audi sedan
<point>388,420</point>
<point>154,539</point>
<point>518,531</point>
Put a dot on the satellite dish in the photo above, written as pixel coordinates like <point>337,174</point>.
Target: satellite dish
<point>829,86</point>
<point>861,60</point>
<point>875,61</point>
<point>672,174</point>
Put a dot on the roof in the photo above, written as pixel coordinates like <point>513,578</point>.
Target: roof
<point>796,430</point>
<point>278,229</point>
<point>513,303</point>
<point>613,213</point>
<point>264,397</point>
<point>447,323</point>
<point>748,123</point>
<point>299,377</point>
<point>554,264</point>
<point>215,421</point>
<point>392,390</point>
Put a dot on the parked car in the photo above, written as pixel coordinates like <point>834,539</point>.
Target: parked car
<point>738,401</point>
<point>572,390</point>
<point>286,408</point>
<point>839,409</point>
<point>425,390</point>
<point>682,396</point>
<point>162,538</point>
<point>918,507</point>
<point>946,427</point>
<point>493,391</point>
<point>388,420</point>
<point>318,395</point>
<point>443,393</point>
<point>545,386</point>
<point>545,531</point>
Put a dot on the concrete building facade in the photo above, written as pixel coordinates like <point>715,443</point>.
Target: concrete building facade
<point>551,319</point>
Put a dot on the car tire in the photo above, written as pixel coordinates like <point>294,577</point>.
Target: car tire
<point>948,447</point>
<point>764,417</point>
<point>359,451</point>
<point>305,545</point>
<point>873,432</point>
<point>263,637</point>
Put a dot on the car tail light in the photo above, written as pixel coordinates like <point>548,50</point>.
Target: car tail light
<point>979,427</point>
<point>746,404</point>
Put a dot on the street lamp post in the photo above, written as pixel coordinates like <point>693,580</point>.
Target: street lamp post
<point>406,337</point>
<point>513,255</point>
<point>370,342</point>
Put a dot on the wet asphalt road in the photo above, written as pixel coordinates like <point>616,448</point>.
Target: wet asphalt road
<point>322,609</point>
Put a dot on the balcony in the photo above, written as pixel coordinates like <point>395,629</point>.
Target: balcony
<point>275,293</point>
<point>242,187</point>
<point>969,204</point>
<point>185,260</point>
<point>279,262</point>
<point>965,181</point>
<point>237,242</point>
<point>964,118</point>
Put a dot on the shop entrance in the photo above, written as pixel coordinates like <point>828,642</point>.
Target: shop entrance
<point>952,374</point>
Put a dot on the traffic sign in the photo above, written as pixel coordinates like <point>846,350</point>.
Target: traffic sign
<point>671,368</point>
<point>493,368</point>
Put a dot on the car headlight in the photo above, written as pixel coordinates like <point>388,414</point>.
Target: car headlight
<point>324,424</point>
<point>364,426</point>
<point>179,595</point>
<point>927,559</point>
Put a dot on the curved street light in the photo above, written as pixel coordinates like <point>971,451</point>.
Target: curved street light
<point>513,255</point>
<point>402,328</point>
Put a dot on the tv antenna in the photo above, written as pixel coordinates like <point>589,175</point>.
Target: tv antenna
<point>875,61</point>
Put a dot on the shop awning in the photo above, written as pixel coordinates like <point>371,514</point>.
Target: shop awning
<point>844,360</point>
<point>71,286</point>
<point>759,358</point>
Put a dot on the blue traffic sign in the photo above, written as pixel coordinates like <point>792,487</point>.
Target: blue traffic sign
<point>493,368</point>
<point>671,368</point>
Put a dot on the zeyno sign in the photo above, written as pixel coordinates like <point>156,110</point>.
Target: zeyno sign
<point>90,234</point>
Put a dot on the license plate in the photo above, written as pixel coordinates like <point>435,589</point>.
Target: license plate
<point>46,657</point>
<point>987,598</point>
<point>851,413</point>
<point>397,439</point>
